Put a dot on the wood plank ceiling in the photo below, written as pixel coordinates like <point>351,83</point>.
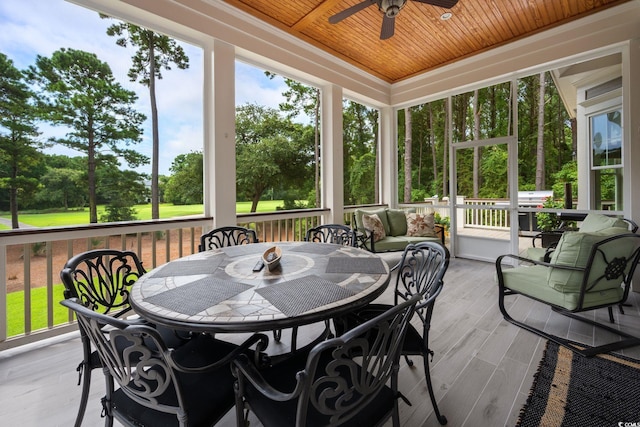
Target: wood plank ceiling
<point>422,40</point>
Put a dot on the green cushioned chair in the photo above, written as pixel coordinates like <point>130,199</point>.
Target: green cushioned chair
<point>592,222</point>
<point>587,271</point>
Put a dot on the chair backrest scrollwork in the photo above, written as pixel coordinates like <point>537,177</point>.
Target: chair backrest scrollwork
<point>227,236</point>
<point>331,233</point>
<point>101,279</point>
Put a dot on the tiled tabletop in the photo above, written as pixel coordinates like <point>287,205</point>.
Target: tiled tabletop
<point>218,291</point>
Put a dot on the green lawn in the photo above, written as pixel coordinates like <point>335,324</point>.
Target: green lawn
<point>15,310</point>
<point>15,300</point>
<point>61,219</point>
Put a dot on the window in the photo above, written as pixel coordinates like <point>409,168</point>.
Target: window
<point>605,132</point>
<point>605,139</point>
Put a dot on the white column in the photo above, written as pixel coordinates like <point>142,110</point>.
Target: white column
<point>631,136</point>
<point>331,154</point>
<point>631,128</point>
<point>388,157</point>
<point>219,132</point>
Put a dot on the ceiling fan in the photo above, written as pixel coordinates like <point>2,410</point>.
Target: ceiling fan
<point>390,8</point>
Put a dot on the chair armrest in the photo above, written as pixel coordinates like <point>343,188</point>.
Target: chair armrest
<point>439,229</point>
<point>261,340</point>
<point>243,369</point>
<point>365,236</point>
<point>532,261</point>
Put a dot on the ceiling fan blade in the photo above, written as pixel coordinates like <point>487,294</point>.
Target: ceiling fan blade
<point>388,27</point>
<point>350,11</point>
<point>448,4</point>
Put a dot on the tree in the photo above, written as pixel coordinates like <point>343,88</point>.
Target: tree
<point>154,53</point>
<point>184,187</point>
<point>305,99</point>
<point>360,131</point>
<point>63,184</point>
<point>540,178</point>
<point>122,189</point>
<point>18,146</point>
<point>271,151</point>
<point>62,187</point>
<point>79,91</point>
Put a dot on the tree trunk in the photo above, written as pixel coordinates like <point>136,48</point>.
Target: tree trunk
<point>432,142</point>
<point>476,150</point>
<point>155,156</point>
<point>13,198</point>
<point>407,155</point>
<point>540,171</point>
<point>254,202</point>
<point>91,176</point>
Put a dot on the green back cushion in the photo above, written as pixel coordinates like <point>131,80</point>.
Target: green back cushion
<point>397,222</point>
<point>382,214</point>
<point>574,249</point>
<point>597,222</point>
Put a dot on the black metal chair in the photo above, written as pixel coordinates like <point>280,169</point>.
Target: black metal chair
<point>160,386</point>
<point>420,272</point>
<point>332,233</point>
<point>587,271</point>
<point>327,233</point>
<point>101,280</point>
<point>227,236</point>
<point>349,380</point>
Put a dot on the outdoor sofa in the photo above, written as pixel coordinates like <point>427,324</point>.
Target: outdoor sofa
<point>388,230</point>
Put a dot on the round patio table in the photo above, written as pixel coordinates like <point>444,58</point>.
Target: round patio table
<point>219,291</point>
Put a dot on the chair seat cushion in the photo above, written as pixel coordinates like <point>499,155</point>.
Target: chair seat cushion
<point>278,414</point>
<point>532,281</point>
<point>391,243</point>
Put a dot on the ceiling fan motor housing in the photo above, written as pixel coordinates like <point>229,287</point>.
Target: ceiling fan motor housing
<point>391,7</point>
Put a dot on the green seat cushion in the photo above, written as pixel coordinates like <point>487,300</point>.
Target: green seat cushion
<point>597,222</point>
<point>397,222</point>
<point>391,243</point>
<point>574,249</point>
<point>382,214</point>
<point>532,281</point>
<point>413,239</point>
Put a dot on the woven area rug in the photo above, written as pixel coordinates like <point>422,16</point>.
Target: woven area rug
<point>572,390</point>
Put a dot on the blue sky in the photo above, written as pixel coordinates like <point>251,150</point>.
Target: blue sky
<point>39,27</point>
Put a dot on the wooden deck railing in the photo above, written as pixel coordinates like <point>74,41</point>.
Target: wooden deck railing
<point>31,259</point>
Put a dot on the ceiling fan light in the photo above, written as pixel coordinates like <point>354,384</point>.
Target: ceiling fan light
<point>391,7</point>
